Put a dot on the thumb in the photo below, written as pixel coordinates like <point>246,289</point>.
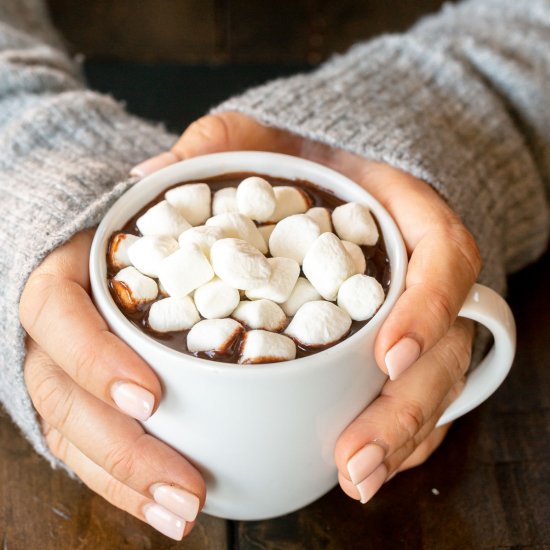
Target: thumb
<point>228,131</point>
<point>231,131</point>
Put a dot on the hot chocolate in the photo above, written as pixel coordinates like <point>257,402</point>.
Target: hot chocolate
<point>245,268</point>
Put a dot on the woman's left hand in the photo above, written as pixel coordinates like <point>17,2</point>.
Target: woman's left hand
<point>422,345</point>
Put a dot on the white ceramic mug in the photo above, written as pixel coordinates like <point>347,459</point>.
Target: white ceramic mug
<point>264,435</point>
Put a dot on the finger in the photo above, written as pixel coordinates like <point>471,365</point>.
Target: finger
<point>437,289</point>
<point>443,266</point>
<point>421,446</point>
<point>57,313</point>
<point>425,449</point>
<point>406,411</point>
<point>395,460</point>
<point>114,442</point>
<point>115,492</point>
<point>419,456</point>
<point>368,489</point>
<point>232,132</point>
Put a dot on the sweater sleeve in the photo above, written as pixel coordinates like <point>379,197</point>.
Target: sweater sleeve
<point>65,156</point>
<point>461,101</point>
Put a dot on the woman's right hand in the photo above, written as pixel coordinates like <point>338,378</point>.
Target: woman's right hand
<point>86,385</point>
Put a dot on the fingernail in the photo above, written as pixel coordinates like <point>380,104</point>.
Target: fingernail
<point>133,399</point>
<point>403,354</point>
<point>369,486</point>
<point>153,164</point>
<point>364,462</point>
<point>164,521</point>
<point>181,502</point>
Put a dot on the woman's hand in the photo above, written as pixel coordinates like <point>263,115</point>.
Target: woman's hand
<point>86,385</point>
<point>423,347</point>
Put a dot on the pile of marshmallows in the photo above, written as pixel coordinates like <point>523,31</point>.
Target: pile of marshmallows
<point>205,265</point>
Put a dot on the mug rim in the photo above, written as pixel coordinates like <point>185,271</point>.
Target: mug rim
<point>232,162</point>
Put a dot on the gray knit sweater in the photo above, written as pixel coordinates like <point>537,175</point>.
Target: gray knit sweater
<point>461,101</point>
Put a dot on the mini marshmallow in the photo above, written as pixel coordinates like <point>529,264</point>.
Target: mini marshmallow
<point>147,252</point>
<point>293,236</point>
<point>359,260</point>
<point>203,236</point>
<point>360,296</point>
<point>260,346</point>
<point>213,335</point>
<point>302,292</point>
<point>256,199</point>
<point>284,273</point>
<point>133,289</point>
<point>354,222</point>
<point>290,200</point>
<point>327,265</point>
<point>322,217</point>
<point>162,219</point>
<point>239,264</point>
<point>263,314</point>
<point>192,201</point>
<point>266,230</point>
<point>185,270</point>
<point>174,313</point>
<point>216,299</point>
<point>238,226</point>
<point>118,250</point>
<point>225,201</point>
<point>319,323</point>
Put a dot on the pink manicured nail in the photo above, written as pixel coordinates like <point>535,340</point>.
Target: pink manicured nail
<point>181,502</point>
<point>369,486</point>
<point>164,521</point>
<point>133,399</point>
<point>402,356</point>
<point>364,462</point>
<point>153,164</point>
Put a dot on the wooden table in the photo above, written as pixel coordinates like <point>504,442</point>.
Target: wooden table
<point>487,487</point>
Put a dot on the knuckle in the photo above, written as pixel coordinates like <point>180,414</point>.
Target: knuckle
<point>33,299</point>
<point>410,419</point>
<point>439,307</point>
<point>457,355</point>
<point>463,348</point>
<point>84,359</point>
<point>465,245</point>
<point>211,127</point>
<point>35,363</point>
<point>454,355</point>
<point>52,398</point>
<point>57,444</point>
<point>121,462</point>
<point>113,491</point>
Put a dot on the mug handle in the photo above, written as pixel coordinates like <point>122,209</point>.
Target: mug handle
<point>487,307</point>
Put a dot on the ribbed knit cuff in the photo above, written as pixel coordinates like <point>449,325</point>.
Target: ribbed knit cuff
<point>63,163</point>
